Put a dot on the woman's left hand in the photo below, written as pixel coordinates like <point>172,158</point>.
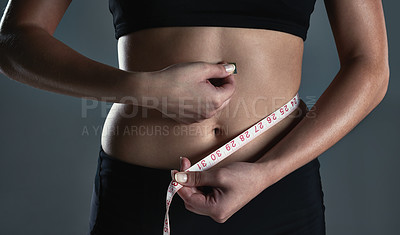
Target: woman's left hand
<point>221,191</point>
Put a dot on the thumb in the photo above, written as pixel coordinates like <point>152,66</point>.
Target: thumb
<point>194,178</point>
<point>219,70</point>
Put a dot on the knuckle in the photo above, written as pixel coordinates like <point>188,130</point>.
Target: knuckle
<point>197,178</point>
<point>222,69</point>
<point>221,221</point>
<point>205,67</point>
<point>188,207</point>
<point>219,218</point>
<point>220,176</point>
<point>217,102</point>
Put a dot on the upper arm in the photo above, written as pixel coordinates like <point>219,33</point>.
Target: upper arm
<point>45,14</point>
<point>359,29</point>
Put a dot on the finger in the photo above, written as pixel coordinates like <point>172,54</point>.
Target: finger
<point>200,203</point>
<point>226,89</point>
<point>194,200</point>
<point>223,105</point>
<point>219,70</point>
<point>185,163</point>
<point>173,172</point>
<point>196,178</point>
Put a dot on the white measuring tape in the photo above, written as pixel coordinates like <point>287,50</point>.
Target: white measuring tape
<point>231,147</point>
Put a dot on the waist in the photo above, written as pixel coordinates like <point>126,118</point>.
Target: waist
<point>269,74</point>
<point>158,142</point>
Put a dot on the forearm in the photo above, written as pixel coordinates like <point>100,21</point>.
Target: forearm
<point>32,56</point>
<point>356,91</point>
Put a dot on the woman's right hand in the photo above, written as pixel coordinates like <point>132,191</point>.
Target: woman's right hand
<point>192,92</point>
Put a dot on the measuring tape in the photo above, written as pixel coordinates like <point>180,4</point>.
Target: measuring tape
<point>231,147</point>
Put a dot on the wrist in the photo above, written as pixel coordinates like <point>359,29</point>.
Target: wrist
<point>141,89</point>
<point>271,170</point>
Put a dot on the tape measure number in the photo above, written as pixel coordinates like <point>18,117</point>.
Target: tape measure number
<point>230,147</point>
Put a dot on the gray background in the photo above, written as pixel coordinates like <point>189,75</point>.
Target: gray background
<point>47,165</point>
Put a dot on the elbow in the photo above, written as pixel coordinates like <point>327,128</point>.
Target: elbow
<point>10,51</point>
<point>381,84</point>
<point>5,44</point>
<point>384,82</point>
<point>3,57</point>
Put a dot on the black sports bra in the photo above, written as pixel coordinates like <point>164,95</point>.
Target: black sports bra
<point>290,16</point>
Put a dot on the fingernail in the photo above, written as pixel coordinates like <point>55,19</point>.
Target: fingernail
<point>181,177</point>
<point>172,174</point>
<point>229,68</point>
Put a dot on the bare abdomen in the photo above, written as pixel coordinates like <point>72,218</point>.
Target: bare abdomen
<point>269,72</point>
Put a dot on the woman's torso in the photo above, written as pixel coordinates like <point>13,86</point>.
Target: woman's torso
<point>269,73</point>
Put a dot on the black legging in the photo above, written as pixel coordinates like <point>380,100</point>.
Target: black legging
<point>130,199</point>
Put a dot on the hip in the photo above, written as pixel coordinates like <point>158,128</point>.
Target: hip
<point>124,203</point>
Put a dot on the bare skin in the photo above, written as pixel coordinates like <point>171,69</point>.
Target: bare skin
<point>357,89</point>
<point>269,69</point>
<point>268,76</point>
<point>30,54</point>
